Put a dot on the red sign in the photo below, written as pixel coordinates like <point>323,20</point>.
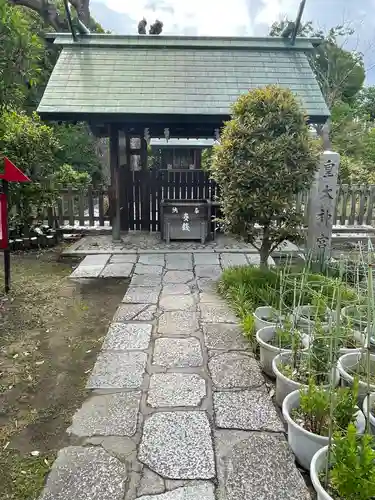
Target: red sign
<point>12,173</point>
<point>3,222</point>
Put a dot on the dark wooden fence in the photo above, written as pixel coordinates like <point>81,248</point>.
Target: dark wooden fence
<point>146,189</point>
<point>142,192</point>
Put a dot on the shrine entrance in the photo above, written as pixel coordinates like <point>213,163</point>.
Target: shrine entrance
<point>166,87</point>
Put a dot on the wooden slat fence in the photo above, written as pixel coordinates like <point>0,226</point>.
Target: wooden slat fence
<point>144,190</point>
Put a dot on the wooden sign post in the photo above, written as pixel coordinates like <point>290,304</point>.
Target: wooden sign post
<point>11,174</point>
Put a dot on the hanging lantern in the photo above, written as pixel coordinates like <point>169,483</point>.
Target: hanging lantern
<point>147,135</point>
<point>166,134</point>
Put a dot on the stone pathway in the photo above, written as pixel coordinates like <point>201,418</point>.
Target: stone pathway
<point>179,409</point>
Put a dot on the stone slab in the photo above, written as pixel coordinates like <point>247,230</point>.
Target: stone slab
<point>207,284</point>
<point>148,280</point>
<point>177,302</point>
<point>107,415</point>
<point>142,295</point>
<point>235,370</point>
<point>73,476</point>
<point>124,258</point>
<point>176,389</point>
<point>134,312</point>
<point>118,270</point>
<point>233,259</point>
<point>212,313</point>
<point>179,261</point>
<point>151,484</point>
<point>127,336</point>
<point>176,289</point>
<point>212,272</point>
<point>152,259</point>
<point>178,445</point>
<point>118,370</point>
<point>87,271</point>
<point>226,336</point>
<point>206,259</point>
<point>257,466</point>
<point>178,277</point>
<point>211,298</point>
<point>170,352</point>
<point>201,491</point>
<point>95,260</point>
<point>178,323</point>
<point>248,410</point>
<point>148,269</point>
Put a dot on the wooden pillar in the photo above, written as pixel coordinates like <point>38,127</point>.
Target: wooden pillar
<point>322,207</point>
<point>145,187</point>
<point>115,180</point>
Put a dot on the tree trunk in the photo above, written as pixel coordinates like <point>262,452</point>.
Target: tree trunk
<point>264,255</point>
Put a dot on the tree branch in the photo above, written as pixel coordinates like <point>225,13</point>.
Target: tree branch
<point>49,12</point>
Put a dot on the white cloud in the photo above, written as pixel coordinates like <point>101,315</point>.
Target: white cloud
<point>209,17</point>
<point>272,10</point>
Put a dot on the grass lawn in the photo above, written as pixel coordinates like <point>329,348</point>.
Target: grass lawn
<point>51,329</point>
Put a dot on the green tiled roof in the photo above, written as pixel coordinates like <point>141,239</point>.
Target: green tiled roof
<point>105,74</point>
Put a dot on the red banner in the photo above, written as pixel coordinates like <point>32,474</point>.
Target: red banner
<point>3,222</point>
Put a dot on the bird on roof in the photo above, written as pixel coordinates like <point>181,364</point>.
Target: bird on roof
<point>142,27</point>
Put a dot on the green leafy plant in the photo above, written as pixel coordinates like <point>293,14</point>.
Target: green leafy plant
<point>248,326</point>
<point>352,475</point>
<point>314,408</point>
<point>265,158</point>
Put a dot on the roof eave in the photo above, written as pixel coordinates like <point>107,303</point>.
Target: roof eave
<point>162,41</point>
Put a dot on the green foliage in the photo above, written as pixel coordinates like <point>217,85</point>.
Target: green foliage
<point>21,51</point>
<point>207,155</point>
<point>248,327</point>
<point>67,176</point>
<point>365,102</point>
<point>319,358</point>
<point>78,149</point>
<point>264,159</point>
<point>340,73</point>
<point>352,476</point>
<point>285,336</point>
<point>314,408</point>
<point>315,404</point>
<point>32,146</point>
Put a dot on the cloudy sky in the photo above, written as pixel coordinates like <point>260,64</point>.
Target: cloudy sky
<point>239,17</point>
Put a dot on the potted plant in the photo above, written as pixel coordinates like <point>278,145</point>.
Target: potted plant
<point>370,400</point>
<point>274,340</point>
<point>357,315</point>
<point>265,316</point>
<point>308,416</point>
<point>294,369</point>
<point>317,312</point>
<point>348,340</point>
<point>350,472</point>
<point>357,363</point>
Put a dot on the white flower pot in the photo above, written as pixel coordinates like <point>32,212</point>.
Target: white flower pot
<point>303,443</point>
<point>268,352</point>
<point>284,385</point>
<point>372,418</point>
<point>304,317</point>
<point>347,365</point>
<point>318,465</point>
<point>264,312</point>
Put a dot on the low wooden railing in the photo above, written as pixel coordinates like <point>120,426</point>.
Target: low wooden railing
<point>355,205</point>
